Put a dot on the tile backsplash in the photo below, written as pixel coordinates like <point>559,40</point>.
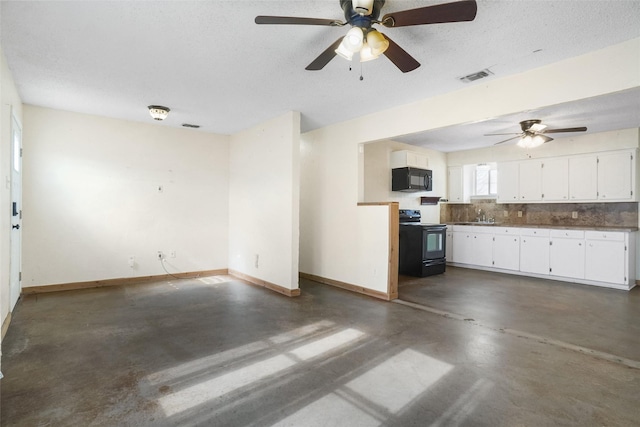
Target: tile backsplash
<point>558,214</point>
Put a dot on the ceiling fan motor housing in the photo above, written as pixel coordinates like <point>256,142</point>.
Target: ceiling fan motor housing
<point>355,19</point>
<point>526,124</point>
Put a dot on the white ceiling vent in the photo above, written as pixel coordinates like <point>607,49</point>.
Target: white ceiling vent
<point>476,76</point>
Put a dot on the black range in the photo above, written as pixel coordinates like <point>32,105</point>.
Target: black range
<point>422,246</point>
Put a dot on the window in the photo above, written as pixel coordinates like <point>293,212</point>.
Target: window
<point>486,179</point>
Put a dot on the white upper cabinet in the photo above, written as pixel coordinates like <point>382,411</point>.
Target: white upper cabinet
<point>606,177</point>
<point>555,180</point>
<point>530,181</point>
<point>460,183</point>
<point>508,185</point>
<point>405,158</point>
<point>615,171</point>
<point>583,178</point>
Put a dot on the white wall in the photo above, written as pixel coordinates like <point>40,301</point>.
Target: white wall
<point>11,104</point>
<point>264,192</point>
<point>377,177</point>
<point>330,235</point>
<point>92,199</point>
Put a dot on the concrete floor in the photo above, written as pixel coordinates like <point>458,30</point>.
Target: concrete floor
<point>215,351</point>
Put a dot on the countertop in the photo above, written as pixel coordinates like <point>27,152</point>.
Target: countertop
<point>552,227</point>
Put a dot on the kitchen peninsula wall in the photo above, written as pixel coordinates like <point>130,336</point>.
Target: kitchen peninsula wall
<point>548,214</point>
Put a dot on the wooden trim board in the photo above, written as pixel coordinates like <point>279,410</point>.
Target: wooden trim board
<point>346,286</point>
<point>5,324</point>
<point>119,282</point>
<point>259,282</point>
<point>394,248</point>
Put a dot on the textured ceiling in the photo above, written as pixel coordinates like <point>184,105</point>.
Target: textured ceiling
<point>213,66</point>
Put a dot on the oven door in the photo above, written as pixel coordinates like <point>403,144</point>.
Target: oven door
<point>433,243</point>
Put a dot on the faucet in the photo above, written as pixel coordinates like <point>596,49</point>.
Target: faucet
<point>481,216</point>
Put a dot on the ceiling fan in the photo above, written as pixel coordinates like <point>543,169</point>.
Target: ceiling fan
<point>368,42</point>
<point>532,134</point>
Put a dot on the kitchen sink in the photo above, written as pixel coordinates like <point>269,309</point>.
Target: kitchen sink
<point>475,223</point>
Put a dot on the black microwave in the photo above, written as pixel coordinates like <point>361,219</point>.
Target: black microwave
<point>411,179</point>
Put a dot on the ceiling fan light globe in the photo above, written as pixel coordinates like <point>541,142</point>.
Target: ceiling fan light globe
<point>367,54</point>
<point>344,52</point>
<point>526,142</point>
<point>377,42</point>
<point>537,141</point>
<point>354,39</point>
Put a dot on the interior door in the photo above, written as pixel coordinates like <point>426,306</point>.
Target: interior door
<point>15,267</point>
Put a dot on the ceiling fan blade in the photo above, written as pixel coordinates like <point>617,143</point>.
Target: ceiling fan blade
<point>495,134</point>
<point>400,57</point>
<point>578,129</point>
<point>292,20</point>
<point>324,58</point>
<point>545,138</point>
<point>502,142</point>
<point>449,12</point>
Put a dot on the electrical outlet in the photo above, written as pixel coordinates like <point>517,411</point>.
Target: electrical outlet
<point>132,261</point>
<point>257,260</point>
<point>172,254</point>
<point>519,214</point>
<point>505,213</point>
<point>574,214</point>
<point>160,255</point>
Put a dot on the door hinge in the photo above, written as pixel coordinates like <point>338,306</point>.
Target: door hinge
<point>550,269</point>
<point>21,152</point>
<point>20,276</point>
<point>550,243</point>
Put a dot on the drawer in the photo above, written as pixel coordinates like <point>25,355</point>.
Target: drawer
<point>462,228</point>
<point>567,234</point>
<point>515,231</point>
<point>615,236</point>
<point>482,229</point>
<point>540,232</point>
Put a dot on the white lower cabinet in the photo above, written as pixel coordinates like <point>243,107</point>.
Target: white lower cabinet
<point>506,248</point>
<point>566,253</point>
<point>534,250</point>
<point>472,245</point>
<point>448,248</point>
<point>602,258</point>
<point>607,256</point>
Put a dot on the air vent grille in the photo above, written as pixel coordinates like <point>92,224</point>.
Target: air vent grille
<point>188,125</point>
<point>476,76</point>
